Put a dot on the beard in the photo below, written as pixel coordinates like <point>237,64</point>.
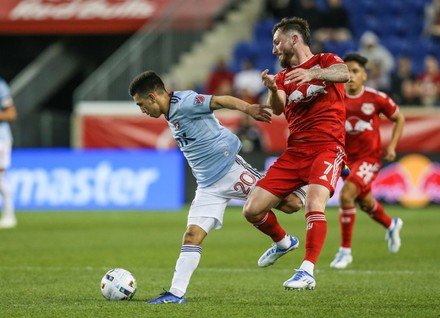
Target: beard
<point>285,60</point>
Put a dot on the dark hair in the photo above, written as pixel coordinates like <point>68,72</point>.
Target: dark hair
<point>145,83</point>
<point>355,57</point>
<point>294,24</point>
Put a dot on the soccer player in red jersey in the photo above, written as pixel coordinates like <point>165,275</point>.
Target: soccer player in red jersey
<point>364,150</point>
<point>310,93</point>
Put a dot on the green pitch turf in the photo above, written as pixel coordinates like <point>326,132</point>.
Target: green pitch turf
<point>51,266</point>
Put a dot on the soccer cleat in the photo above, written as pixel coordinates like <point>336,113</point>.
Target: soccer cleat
<point>301,280</point>
<point>342,260</point>
<point>8,223</point>
<point>393,236</point>
<point>167,298</point>
<point>274,253</point>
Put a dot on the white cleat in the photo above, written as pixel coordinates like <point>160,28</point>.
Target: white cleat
<point>300,281</point>
<point>274,253</point>
<point>8,223</point>
<point>393,235</point>
<point>342,260</point>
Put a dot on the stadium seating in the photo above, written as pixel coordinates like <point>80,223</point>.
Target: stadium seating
<point>398,23</point>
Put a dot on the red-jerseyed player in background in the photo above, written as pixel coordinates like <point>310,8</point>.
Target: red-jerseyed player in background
<point>310,92</point>
<point>364,150</point>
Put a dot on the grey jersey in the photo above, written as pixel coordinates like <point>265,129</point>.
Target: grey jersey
<point>209,147</point>
<point>5,101</point>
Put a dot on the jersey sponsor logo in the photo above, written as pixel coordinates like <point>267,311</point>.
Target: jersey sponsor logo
<point>306,92</point>
<point>355,125</point>
<point>367,108</point>
<point>367,171</point>
<point>199,100</point>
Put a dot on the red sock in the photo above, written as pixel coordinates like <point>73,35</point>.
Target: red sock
<point>315,235</point>
<point>347,217</point>
<point>378,214</point>
<point>268,224</point>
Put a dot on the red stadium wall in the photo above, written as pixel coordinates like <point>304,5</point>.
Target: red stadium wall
<point>101,16</point>
<point>421,133</point>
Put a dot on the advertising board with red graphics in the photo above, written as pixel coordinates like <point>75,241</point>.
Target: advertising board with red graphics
<point>101,16</point>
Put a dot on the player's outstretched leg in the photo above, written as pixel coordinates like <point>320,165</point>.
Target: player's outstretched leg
<point>275,252</point>
<point>167,298</point>
<point>393,235</point>
<point>301,280</point>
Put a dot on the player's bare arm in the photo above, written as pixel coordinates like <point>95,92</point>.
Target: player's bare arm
<point>276,98</point>
<point>256,111</point>
<point>8,114</point>
<point>337,73</point>
<point>390,150</point>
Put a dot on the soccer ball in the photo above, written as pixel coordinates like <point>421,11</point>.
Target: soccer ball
<point>118,284</point>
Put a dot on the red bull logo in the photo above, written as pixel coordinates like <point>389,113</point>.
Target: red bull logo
<point>355,125</point>
<point>307,92</point>
<point>413,181</point>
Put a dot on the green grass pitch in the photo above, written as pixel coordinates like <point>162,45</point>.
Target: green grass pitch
<point>51,266</point>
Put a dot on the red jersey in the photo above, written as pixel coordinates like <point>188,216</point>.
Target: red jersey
<point>362,124</point>
<point>314,111</point>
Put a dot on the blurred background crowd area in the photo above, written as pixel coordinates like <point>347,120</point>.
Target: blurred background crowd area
<point>400,38</point>
<point>213,47</point>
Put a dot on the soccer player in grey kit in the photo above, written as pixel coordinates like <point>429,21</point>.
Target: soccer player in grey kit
<point>8,113</point>
<point>212,153</point>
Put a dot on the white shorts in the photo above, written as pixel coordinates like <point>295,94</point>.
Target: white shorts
<point>209,204</point>
<point>5,155</point>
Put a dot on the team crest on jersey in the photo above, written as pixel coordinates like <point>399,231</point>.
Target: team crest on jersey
<point>367,108</point>
<point>199,100</point>
<point>176,124</point>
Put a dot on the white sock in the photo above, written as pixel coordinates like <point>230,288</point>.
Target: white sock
<point>284,242</point>
<point>345,250</point>
<point>8,207</point>
<point>308,267</point>
<point>185,266</point>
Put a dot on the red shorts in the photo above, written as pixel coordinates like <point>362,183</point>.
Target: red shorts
<point>363,173</point>
<point>306,163</point>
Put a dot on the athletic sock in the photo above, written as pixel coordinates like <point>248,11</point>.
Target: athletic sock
<point>185,266</point>
<point>268,224</point>
<point>315,235</point>
<point>347,217</point>
<point>8,207</point>
<point>378,214</point>
<point>308,267</point>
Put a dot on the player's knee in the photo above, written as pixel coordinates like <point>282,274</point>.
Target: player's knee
<point>292,206</point>
<point>366,206</point>
<point>250,211</point>
<point>194,235</point>
<point>346,198</point>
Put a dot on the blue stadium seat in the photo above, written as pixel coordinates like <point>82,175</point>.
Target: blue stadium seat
<point>265,62</point>
<point>244,50</point>
<point>340,48</point>
<point>396,45</point>
<point>398,23</point>
<point>263,30</point>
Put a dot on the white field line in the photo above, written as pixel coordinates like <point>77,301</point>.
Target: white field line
<point>224,270</point>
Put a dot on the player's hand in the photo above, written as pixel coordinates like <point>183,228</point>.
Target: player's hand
<point>389,154</point>
<point>269,80</point>
<point>260,113</point>
<point>299,75</point>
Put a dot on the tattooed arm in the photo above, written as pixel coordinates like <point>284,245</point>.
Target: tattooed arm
<point>337,73</point>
